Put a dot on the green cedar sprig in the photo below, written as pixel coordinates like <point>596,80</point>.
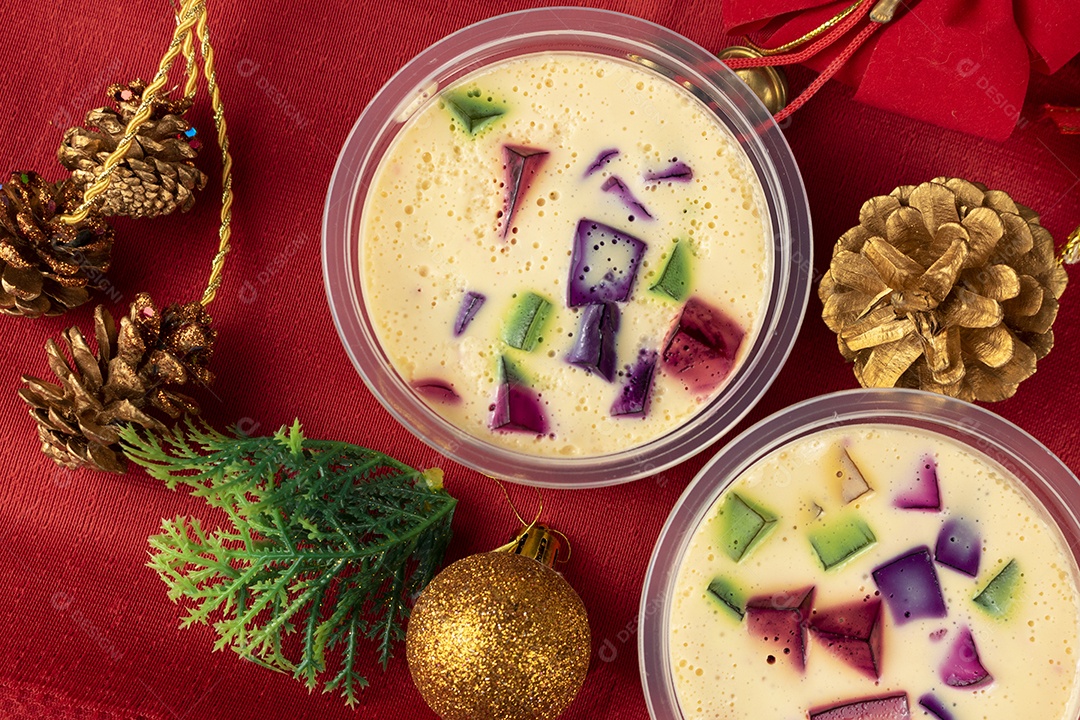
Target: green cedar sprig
<point>324,539</point>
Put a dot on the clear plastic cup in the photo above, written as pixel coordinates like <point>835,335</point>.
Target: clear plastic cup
<point>581,30</point>
<point>1041,472</point>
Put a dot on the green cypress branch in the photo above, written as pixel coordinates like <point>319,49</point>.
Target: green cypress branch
<point>324,539</point>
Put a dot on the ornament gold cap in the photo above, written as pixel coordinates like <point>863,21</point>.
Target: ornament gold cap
<point>539,542</point>
<point>768,83</point>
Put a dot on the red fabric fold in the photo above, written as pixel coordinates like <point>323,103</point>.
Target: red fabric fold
<point>955,63</point>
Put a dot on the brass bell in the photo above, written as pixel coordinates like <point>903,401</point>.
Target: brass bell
<point>768,83</point>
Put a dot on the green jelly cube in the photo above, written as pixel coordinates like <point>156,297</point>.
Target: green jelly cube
<point>998,595</point>
<point>510,373</point>
<point>472,109</point>
<point>730,597</point>
<point>744,524</point>
<point>838,541</point>
<point>674,281</point>
<point>526,321</point>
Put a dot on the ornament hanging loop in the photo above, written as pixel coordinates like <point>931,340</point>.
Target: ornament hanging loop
<point>754,60</point>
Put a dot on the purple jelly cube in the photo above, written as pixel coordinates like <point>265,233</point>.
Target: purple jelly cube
<point>522,165</point>
<point>959,546</point>
<point>603,264</point>
<point>517,408</point>
<point>910,587</point>
<point>854,633</point>
<point>677,171</point>
<point>935,707</point>
<point>924,493</point>
<point>702,346</point>
<point>618,188</point>
<point>888,707</point>
<point>436,390</point>
<point>781,621</point>
<point>633,397</point>
<point>470,305</point>
<point>602,159</point>
<point>963,669</point>
<point>594,346</point>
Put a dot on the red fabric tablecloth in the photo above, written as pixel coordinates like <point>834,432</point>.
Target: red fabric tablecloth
<point>86,630</point>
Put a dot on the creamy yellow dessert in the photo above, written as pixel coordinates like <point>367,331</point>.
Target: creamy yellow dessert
<point>565,254</point>
<point>876,573</point>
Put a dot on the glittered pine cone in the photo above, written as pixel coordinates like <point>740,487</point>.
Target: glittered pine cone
<point>158,175</point>
<point>46,265</point>
<point>134,377</point>
<point>944,286</point>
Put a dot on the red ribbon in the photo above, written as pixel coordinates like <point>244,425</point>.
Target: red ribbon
<point>961,64</point>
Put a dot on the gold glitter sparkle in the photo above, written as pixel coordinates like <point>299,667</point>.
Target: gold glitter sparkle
<point>498,636</point>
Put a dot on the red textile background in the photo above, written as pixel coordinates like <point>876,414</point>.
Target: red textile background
<point>86,630</point>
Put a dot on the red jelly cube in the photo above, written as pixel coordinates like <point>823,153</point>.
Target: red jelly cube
<point>522,165</point>
<point>853,633</point>
<point>702,346</point>
<point>780,621</point>
<point>888,707</point>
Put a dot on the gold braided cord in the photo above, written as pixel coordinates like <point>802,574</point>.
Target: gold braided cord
<point>190,71</point>
<point>828,24</point>
<point>191,74</point>
<point>1070,254</point>
<point>224,234</point>
<point>192,11</point>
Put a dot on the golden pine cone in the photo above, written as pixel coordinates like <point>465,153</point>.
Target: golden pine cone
<point>133,378</point>
<point>46,265</point>
<point>129,97</point>
<point>157,176</point>
<point>944,286</point>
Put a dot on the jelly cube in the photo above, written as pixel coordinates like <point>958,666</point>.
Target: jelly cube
<point>618,188</point>
<point>602,159</point>
<point>674,280</point>
<point>935,707</point>
<point>522,165</point>
<point>998,595</point>
<point>472,109</point>
<point>702,346</point>
<point>633,396</point>
<point>924,494</point>
<point>677,171</point>
<point>436,390</point>
<point>510,372</point>
<point>959,546</point>
<point>730,597</point>
<point>781,620</point>
<point>594,346</point>
<point>888,707</point>
<point>853,633</point>
<point>744,525</point>
<point>517,408</point>
<point>838,540</point>
<point>963,669</point>
<point>603,264</point>
<point>853,484</point>
<point>470,305</point>
<point>910,587</point>
<point>526,322</point>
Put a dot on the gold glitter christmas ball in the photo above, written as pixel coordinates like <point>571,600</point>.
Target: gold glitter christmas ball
<point>498,636</point>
